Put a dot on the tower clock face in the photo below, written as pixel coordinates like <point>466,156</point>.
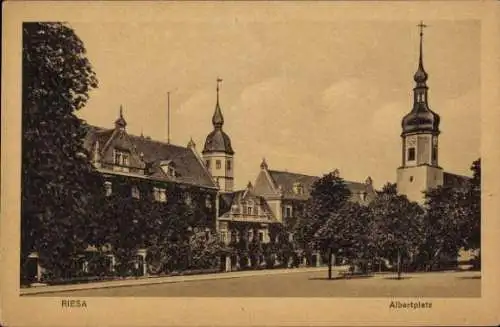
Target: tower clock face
<point>411,141</point>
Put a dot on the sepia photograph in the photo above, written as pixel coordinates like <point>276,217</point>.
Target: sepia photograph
<point>248,155</point>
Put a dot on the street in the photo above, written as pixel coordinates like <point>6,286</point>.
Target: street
<point>304,284</point>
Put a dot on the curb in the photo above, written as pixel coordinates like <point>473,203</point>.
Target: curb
<point>164,280</point>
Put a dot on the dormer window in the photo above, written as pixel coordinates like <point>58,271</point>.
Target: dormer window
<point>298,188</point>
<point>168,168</point>
<point>121,160</point>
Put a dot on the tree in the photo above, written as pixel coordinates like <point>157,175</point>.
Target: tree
<point>346,233</point>
<point>445,220</point>
<point>453,218</point>
<point>328,195</point>
<point>57,178</point>
<point>397,226</point>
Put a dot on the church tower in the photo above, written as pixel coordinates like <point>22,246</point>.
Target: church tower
<point>218,153</point>
<point>420,170</point>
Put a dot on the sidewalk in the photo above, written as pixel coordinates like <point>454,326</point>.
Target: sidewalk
<point>172,279</point>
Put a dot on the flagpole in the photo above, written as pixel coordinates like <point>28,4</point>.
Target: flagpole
<point>168,117</point>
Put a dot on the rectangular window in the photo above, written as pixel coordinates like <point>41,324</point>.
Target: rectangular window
<point>125,159</point>
<point>249,210</point>
<point>207,163</point>
<point>261,236</point>
<point>223,236</point>
<point>288,212</point>
<point>411,154</point>
<point>163,195</point>
<point>118,157</point>
<point>434,154</point>
<point>108,187</point>
<point>217,164</point>
<point>135,192</point>
<point>159,194</point>
<point>228,165</point>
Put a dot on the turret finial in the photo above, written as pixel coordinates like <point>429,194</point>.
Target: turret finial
<point>191,144</point>
<point>219,81</point>
<point>120,122</point>
<point>263,164</point>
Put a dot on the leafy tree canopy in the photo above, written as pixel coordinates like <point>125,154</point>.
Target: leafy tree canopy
<point>57,178</point>
<point>328,195</point>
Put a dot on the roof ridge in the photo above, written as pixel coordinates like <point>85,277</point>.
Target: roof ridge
<point>292,173</point>
<point>156,141</point>
<point>149,139</point>
<point>312,176</point>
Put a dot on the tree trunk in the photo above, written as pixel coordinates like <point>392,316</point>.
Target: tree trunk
<point>399,264</point>
<point>330,263</point>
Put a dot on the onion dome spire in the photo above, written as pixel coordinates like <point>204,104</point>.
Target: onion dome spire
<point>217,140</point>
<point>120,122</point>
<point>421,118</point>
<point>217,118</point>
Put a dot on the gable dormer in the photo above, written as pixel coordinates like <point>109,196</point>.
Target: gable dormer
<point>119,152</point>
<point>168,168</point>
<point>298,188</point>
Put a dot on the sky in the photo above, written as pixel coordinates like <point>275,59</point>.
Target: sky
<point>309,95</point>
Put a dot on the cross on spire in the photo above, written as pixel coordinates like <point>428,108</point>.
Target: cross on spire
<point>219,81</point>
<point>421,27</point>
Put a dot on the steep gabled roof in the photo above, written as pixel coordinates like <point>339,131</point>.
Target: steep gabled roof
<point>188,167</point>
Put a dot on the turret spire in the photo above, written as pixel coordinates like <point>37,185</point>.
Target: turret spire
<point>217,118</point>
